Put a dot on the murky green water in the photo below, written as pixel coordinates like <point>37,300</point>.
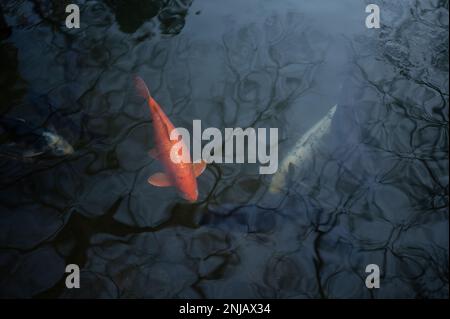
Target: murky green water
<point>373,190</point>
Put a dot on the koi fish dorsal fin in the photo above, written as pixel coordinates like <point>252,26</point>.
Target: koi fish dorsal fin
<point>199,168</point>
<point>141,87</point>
<point>160,180</point>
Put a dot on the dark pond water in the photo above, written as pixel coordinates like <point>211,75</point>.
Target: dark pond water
<point>372,189</point>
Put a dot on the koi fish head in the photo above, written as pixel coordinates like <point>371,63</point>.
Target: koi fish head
<point>190,194</point>
<point>187,184</point>
<point>57,144</point>
<point>184,179</point>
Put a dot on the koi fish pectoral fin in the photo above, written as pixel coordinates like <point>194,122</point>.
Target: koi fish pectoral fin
<point>160,180</point>
<point>199,168</point>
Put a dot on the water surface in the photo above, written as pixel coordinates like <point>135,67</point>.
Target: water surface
<point>375,190</point>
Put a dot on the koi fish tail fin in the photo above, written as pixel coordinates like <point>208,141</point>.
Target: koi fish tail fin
<point>141,87</point>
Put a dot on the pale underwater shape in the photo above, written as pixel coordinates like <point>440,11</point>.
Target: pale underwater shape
<point>302,151</point>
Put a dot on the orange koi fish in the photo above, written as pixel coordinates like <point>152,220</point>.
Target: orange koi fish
<point>182,175</point>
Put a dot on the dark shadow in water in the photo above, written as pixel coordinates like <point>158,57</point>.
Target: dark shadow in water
<point>5,30</point>
<point>131,14</point>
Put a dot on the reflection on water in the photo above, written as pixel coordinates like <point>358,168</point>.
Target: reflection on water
<point>131,14</point>
<point>374,189</point>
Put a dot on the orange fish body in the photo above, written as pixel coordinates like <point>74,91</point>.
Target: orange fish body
<point>182,175</point>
